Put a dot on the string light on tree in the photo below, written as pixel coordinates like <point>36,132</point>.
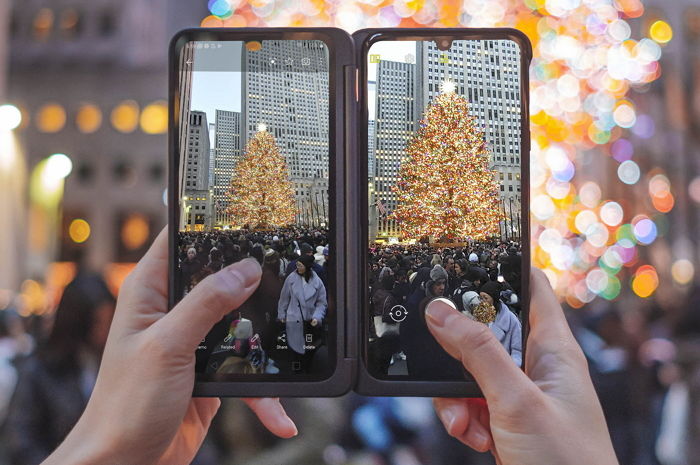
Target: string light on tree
<point>445,188</point>
<point>448,86</point>
<point>261,194</point>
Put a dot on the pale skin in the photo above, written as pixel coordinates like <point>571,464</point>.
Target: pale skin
<point>547,414</point>
<point>141,410</point>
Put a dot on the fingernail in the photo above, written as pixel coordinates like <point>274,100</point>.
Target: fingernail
<point>478,439</point>
<point>290,424</point>
<point>248,270</point>
<point>438,310</point>
<point>448,419</point>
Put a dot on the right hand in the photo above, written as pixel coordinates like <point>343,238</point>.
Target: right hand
<point>548,414</point>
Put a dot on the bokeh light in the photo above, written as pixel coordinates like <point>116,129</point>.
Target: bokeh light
<point>586,60</point>
<point>645,281</point>
<point>661,32</point>
<point>154,118</point>
<point>125,116</point>
<point>51,118</point>
<point>683,271</point>
<point>79,230</point>
<point>10,117</point>
<point>135,231</point>
<point>88,119</point>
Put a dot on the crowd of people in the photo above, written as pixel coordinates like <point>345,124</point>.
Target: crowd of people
<point>282,327</point>
<point>481,279</point>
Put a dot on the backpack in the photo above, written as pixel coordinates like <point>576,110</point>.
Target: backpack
<point>384,324</point>
<point>458,293</point>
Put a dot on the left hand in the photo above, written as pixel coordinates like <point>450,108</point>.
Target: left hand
<point>142,410</point>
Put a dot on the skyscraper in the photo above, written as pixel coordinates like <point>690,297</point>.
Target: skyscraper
<point>196,202</point>
<point>394,126</point>
<point>285,87</point>
<point>228,149</point>
<point>487,73</point>
<point>370,146</point>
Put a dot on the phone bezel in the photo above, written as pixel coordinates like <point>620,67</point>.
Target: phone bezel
<point>341,56</point>
<point>368,384</point>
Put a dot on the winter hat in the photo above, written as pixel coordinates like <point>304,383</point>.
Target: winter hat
<point>492,288</point>
<point>306,249</point>
<point>437,273</point>
<point>385,271</point>
<point>307,261</point>
<point>326,251</point>
<point>474,258</point>
<point>319,255</point>
<point>275,238</point>
<point>470,300</point>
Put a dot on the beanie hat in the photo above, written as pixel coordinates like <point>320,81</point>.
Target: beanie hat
<point>437,273</point>
<point>307,261</point>
<point>306,249</point>
<point>473,257</point>
<point>470,299</point>
<point>492,288</point>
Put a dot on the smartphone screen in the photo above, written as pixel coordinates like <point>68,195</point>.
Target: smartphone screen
<point>253,181</point>
<point>445,208</point>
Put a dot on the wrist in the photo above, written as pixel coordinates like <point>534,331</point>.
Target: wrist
<point>86,446</point>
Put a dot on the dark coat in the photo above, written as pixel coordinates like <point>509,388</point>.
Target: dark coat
<point>46,405</point>
<point>425,358</point>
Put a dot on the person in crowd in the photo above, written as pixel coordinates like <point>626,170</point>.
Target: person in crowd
<point>505,325</point>
<point>302,303</point>
<point>384,332</point>
<point>307,250</point>
<point>425,359</point>
<point>401,286</point>
<point>261,307</point>
<point>189,268</point>
<point>55,382</point>
<point>215,260</point>
<point>459,283</point>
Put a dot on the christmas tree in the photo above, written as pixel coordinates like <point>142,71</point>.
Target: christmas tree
<point>261,194</point>
<point>445,187</point>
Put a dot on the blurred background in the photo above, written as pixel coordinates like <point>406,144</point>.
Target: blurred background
<point>615,189</point>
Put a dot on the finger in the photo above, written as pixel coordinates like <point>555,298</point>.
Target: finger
<point>547,318</point>
<point>476,347</point>
<point>152,269</point>
<point>453,414</point>
<point>463,419</point>
<point>218,294</point>
<point>206,408</point>
<point>272,415</point>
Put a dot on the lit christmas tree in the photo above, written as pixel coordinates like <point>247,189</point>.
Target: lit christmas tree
<point>445,187</point>
<point>261,194</point>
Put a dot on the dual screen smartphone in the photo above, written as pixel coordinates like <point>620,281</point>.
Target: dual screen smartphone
<point>368,175</point>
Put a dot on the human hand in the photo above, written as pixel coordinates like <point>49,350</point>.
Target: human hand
<point>547,414</point>
<point>141,409</point>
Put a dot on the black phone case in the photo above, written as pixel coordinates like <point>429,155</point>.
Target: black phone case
<point>367,384</point>
<point>341,144</point>
<point>348,168</point>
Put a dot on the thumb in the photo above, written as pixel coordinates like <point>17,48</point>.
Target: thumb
<point>218,294</point>
<point>477,348</point>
